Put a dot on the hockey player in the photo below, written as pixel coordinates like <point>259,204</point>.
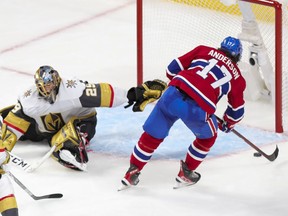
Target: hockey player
<point>62,111</point>
<point>199,79</point>
<point>8,204</point>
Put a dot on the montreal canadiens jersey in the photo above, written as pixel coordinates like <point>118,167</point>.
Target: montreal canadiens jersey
<point>206,74</point>
<point>75,98</point>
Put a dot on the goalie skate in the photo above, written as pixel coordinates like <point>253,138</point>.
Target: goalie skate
<point>66,156</point>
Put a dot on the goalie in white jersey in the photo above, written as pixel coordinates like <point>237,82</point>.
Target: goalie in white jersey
<point>62,111</point>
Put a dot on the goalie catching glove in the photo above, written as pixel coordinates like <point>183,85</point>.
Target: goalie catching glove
<point>148,92</point>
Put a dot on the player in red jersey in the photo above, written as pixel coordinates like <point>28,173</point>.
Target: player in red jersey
<point>199,79</point>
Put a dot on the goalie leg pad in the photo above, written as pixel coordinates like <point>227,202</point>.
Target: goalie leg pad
<point>67,133</point>
<point>68,139</point>
<point>7,138</point>
<point>4,112</point>
<point>7,198</point>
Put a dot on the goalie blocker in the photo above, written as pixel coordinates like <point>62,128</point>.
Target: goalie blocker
<point>144,94</point>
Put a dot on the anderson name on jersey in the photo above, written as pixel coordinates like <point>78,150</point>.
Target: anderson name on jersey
<point>206,74</point>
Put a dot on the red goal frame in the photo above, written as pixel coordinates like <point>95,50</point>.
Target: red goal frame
<point>278,53</point>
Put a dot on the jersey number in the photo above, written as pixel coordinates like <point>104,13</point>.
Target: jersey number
<point>91,90</point>
<point>208,68</point>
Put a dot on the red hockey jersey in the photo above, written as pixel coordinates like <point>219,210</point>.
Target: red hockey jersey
<point>206,74</point>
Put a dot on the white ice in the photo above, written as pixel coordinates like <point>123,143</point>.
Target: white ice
<point>96,41</point>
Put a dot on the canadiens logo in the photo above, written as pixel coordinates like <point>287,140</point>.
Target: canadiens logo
<point>71,83</point>
<point>28,93</point>
<point>52,121</point>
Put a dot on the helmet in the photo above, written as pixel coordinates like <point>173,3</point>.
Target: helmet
<point>233,46</point>
<point>47,81</point>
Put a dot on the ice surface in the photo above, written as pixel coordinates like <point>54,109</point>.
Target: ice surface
<point>95,40</point>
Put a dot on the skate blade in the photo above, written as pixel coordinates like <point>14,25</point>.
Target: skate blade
<point>179,185</point>
<point>124,185</point>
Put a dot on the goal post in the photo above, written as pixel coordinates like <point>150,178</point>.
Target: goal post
<point>169,28</point>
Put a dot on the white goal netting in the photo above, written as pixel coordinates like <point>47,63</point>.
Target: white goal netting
<point>172,28</point>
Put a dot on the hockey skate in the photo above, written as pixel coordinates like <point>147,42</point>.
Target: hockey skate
<point>69,160</point>
<point>130,178</point>
<point>186,177</point>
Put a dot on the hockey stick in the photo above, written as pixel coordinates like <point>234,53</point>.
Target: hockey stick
<point>37,164</point>
<point>48,196</point>
<point>19,162</point>
<point>271,157</point>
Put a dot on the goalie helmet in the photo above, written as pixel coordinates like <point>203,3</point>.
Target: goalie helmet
<point>233,47</point>
<point>47,81</point>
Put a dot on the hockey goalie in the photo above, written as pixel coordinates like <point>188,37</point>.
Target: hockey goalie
<point>62,111</point>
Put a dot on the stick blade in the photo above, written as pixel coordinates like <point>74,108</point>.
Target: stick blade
<point>274,155</point>
<point>49,196</point>
<point>56,195</point>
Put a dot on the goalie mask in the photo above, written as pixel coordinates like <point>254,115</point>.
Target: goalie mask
<point>47,81</point>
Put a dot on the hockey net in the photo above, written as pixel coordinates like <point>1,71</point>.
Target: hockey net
<point>169,28</point>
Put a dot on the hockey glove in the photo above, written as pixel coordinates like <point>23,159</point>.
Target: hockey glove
<point>148,92</point>
<point>225,126</point>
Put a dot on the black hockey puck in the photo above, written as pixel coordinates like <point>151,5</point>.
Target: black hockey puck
<point>257,154</point>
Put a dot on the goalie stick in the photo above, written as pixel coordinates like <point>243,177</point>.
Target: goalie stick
<point>271,157</point>
<point>48,196</point>
<point>26,166</point>
<point>19,162</point>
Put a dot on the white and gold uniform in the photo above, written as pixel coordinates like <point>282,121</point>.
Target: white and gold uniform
<point>74,98</point>
<point>8,204</point>
<point>35,118</point>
